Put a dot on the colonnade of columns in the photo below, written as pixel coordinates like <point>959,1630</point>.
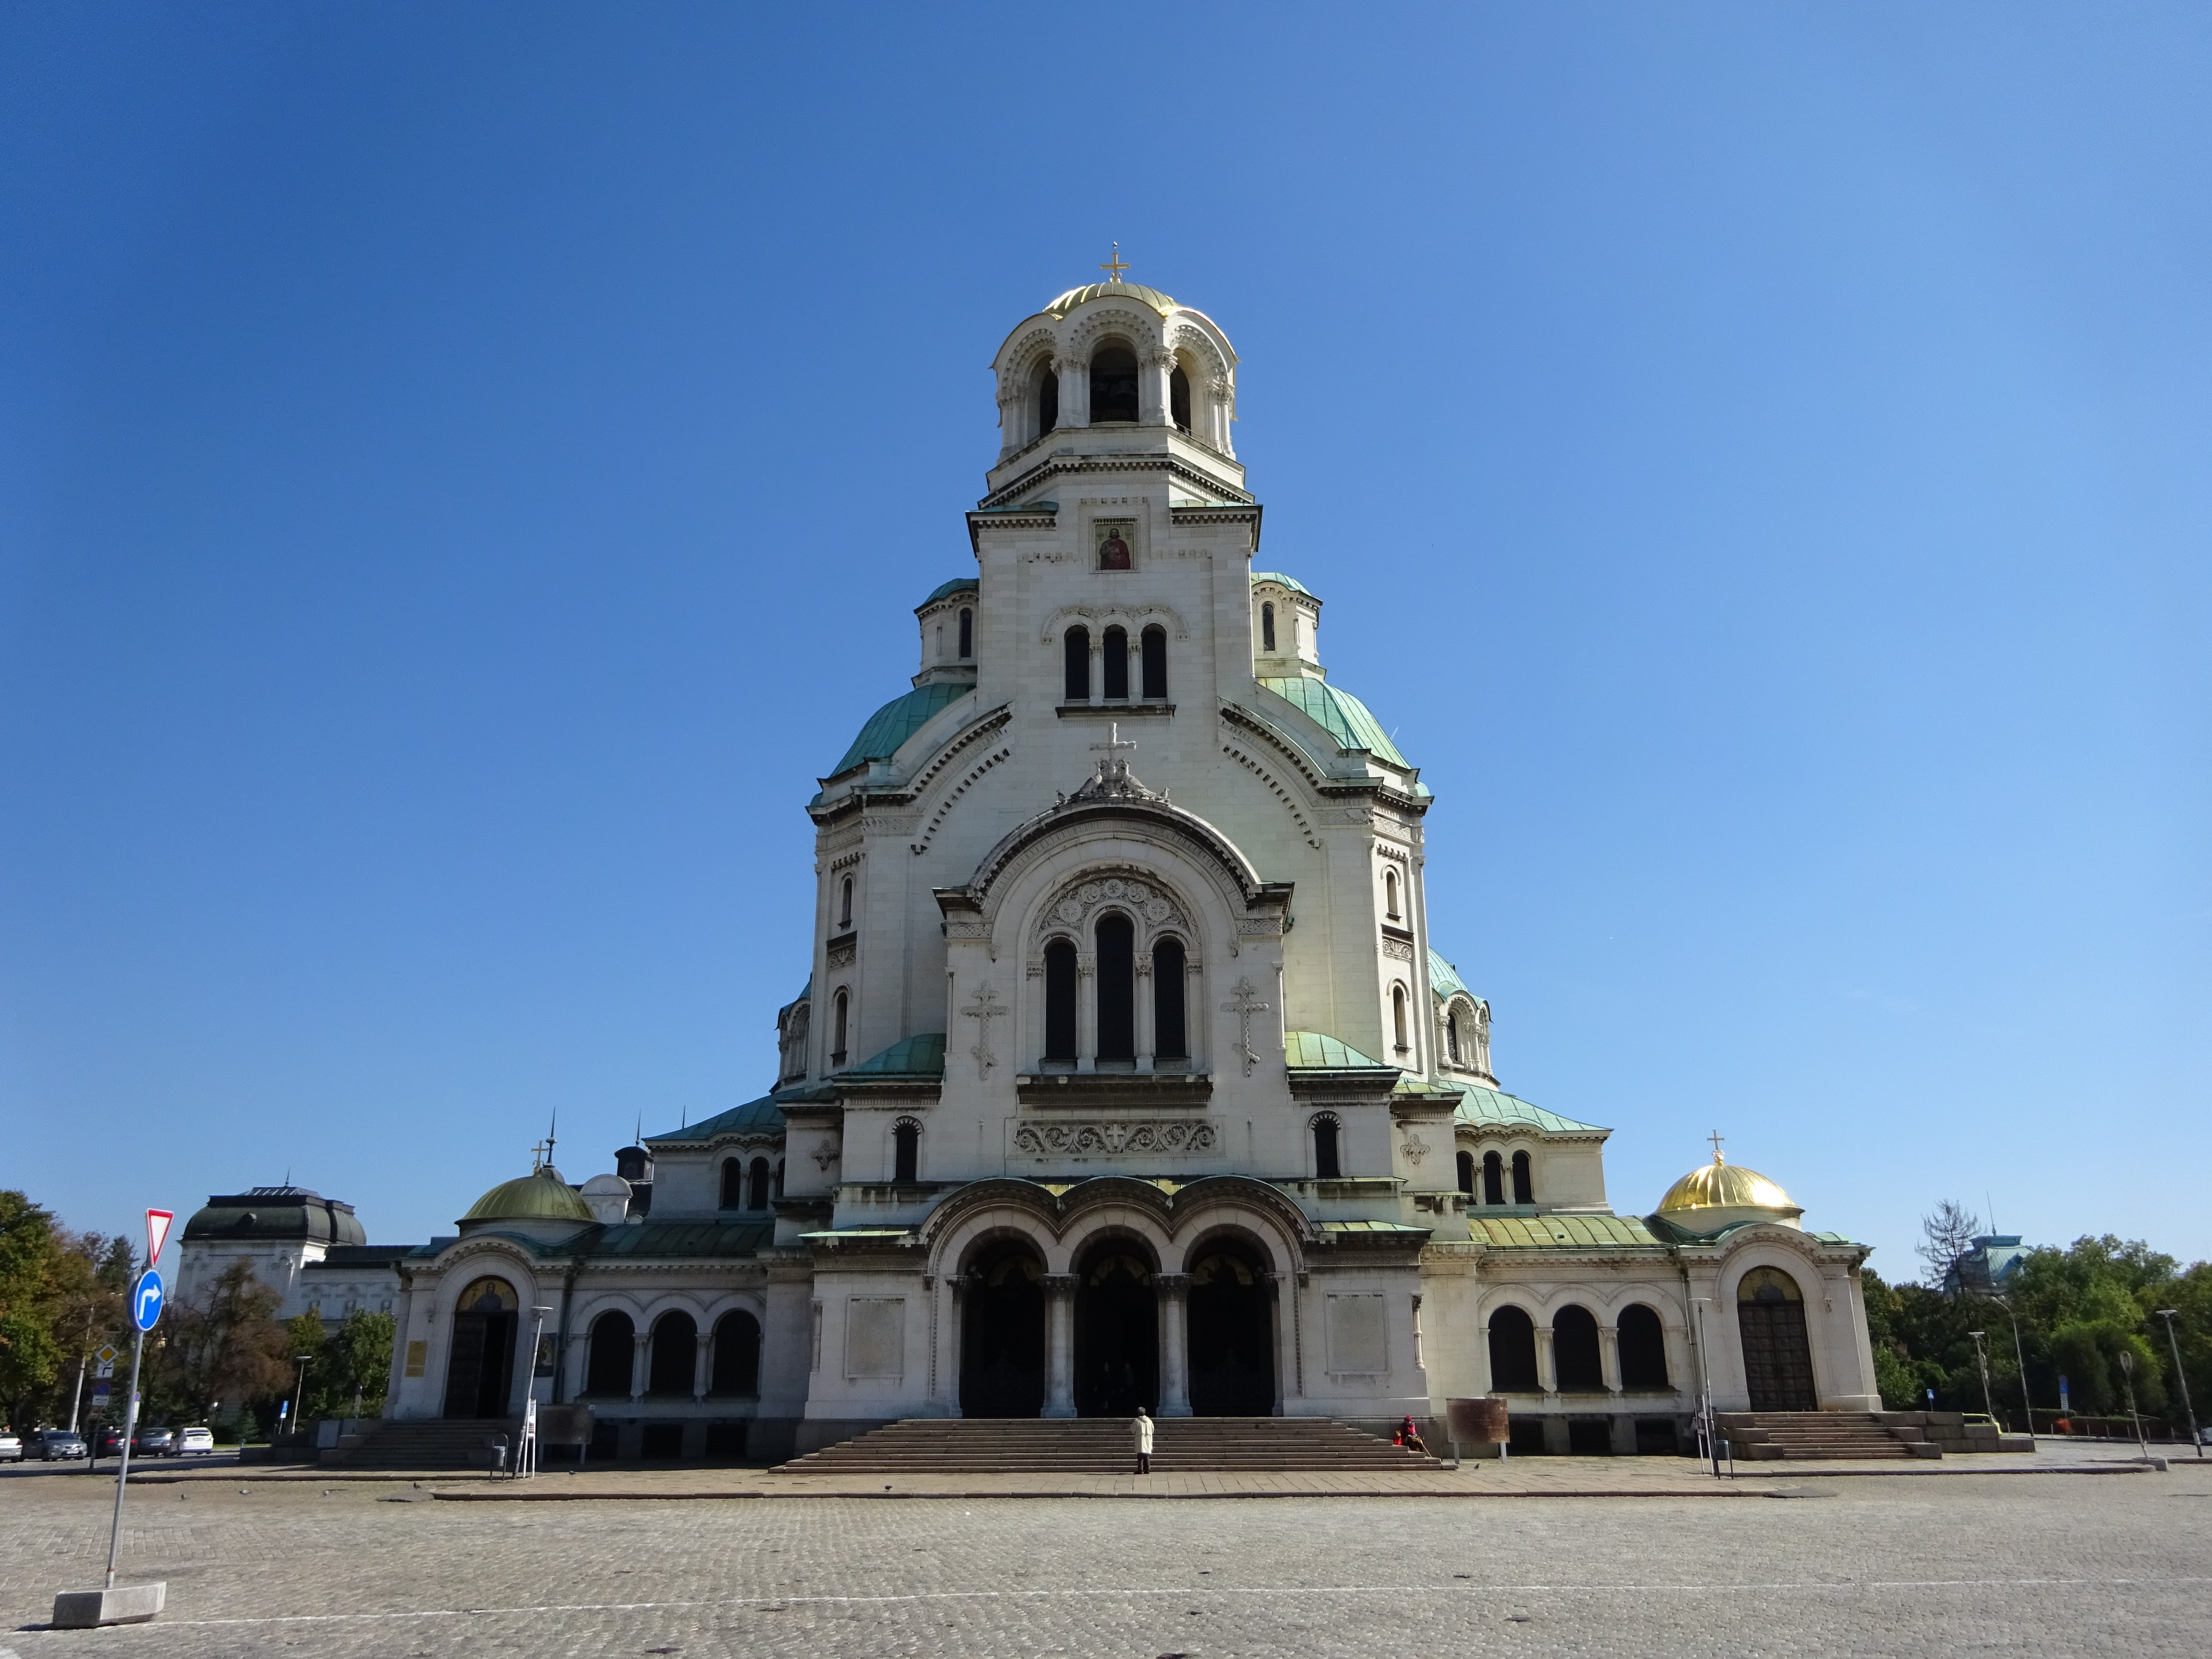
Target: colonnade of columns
<point>1172,1293</point>
<point>1147,1014</point>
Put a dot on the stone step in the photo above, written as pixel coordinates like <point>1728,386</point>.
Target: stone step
<point>1067,1445</point>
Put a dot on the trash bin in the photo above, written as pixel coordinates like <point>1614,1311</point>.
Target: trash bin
<point>497,1444</point>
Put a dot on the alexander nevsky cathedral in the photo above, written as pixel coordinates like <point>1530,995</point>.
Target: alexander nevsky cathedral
<point>1127,1072</point>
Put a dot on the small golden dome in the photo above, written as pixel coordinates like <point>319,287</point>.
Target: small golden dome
<point>1721,1185</point>
<point>542,1195</point>
<point>1090,291</point>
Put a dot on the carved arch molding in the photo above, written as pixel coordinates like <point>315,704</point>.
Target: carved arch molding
<point>1082,900</point>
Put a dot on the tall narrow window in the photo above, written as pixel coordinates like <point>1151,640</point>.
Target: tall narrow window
<point>845,903</point>
<point>1267,626</point>
<point>906,1152</point>
<point>1525,1184</point>
<point>1179,397</point>
<point>1494,1178</point>
<point>1078,664</point>
<point>1114,386</point>
<point>1390,894</point>
<point>1115,669</point>
<point>1117,988</point>
<point>1398,1017</point>
<point>734,1184</point>
<point>1467,1173</point>
<point>837,1031</point>
<point>1156,662</point>
<point>1047,403</point>
<point>1451,1036</point>
<point>758,1180</point>
<point>1060,1001</point>
<point>1325,1165</point>
<point>1171,1036</point>
<point>967,634</point>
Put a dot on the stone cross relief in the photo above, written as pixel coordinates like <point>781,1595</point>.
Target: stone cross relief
<point>1244,1002</point>
<point>1113,768</point>
<point>986,1008</point>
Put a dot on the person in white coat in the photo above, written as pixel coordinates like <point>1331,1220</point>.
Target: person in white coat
<point>1143,1427</point>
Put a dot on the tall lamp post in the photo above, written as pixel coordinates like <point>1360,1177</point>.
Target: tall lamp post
<point>2196,1440</point>
<point>1705,1380</point>
<point>2020,1358</point>
<point>2128,1375</point>
<point>299,1388</point>
<point>1982,1359</point>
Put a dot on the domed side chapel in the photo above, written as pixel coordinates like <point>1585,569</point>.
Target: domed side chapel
<point>1126,1073</point>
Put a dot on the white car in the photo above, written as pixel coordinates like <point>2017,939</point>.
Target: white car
<point>193,1440</point>
<point>11,1447</point>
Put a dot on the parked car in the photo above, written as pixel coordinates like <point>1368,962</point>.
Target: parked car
<point>58,1445</point>
<point>108,1442</point>
<point>11,1447</point>
<point>191,1442</point>
<point>154,1442</point>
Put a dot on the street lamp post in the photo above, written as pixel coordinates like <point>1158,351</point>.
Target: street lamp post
<point>1705,1381</point>
<point>2196,1440</point>
<point>299,1388</point>
<point>1982,1359</point>
<point>2020,1358</point>
<point>2128,1377</point>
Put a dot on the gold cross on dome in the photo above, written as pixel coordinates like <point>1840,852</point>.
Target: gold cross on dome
<point>1715,1137</point>
<point>1114,267</point>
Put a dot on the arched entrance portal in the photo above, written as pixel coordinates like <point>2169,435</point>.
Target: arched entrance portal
<point>1778,1360</point>
<point>1002,1335</point>
<point>1117,1335</point>
<point>480,1366</point>
<point>1232,1335</point>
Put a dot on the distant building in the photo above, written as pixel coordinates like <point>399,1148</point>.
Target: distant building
<point>1986,1268</point>
<point>309,1250</point>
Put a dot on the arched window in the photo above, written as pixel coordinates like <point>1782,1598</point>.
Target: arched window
<point>1171,1036</point>
<point>1574,1351</point>
<point>675,1366</point>
<point>734,1184</point>
<point>1078,665</point>
<point>1267,626</point>
<point>1398,1017</point>
<point>838,1031</point>
<point>1115,669</point>
<point>757,1199</point>
<point>1060,1001</point>
<point>736,1355</point>
<point>1494,1178</point>
<point>1113,384</point>
<point>1642,1350</point>
<point>614,1347</point>
<point>1390,894</point>
<point>906,1151</point>
<point>845,903</point>
<point>1156,662</point>
<point>1117,988</point>
<point>1467,1173</point>
<point>1179,397</point>
<point>1451,1036</point>
<point>1524,1180</point>
<point>1326,1164</point>
<point>1512,1352</point>
<point>1047,403</point>
<point>967,634</point>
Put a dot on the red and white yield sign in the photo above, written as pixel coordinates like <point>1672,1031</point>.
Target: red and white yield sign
<point>157,1233</point>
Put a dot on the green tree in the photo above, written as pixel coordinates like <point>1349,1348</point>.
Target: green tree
<point>228,1348</point>
<point>30,1357</point>
<point>354,1364</point>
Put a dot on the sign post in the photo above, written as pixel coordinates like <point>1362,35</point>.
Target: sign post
<point>146,1297</point>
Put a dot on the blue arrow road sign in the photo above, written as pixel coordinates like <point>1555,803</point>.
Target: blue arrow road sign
<point>146,1300</point>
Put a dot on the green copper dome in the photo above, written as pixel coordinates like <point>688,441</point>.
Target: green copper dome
<point>543,1196</point>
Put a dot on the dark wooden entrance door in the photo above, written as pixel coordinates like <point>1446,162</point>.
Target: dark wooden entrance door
<point>1002,1336</point>
<point>1778,1358</point>
<point>1232,1341</point>
<point>480,1366</point>
<point>1117,1339</point>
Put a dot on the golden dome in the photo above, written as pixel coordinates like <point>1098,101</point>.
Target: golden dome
<point>541,1195</point>
<point>1721,1185</point>
<point>1090,291</point>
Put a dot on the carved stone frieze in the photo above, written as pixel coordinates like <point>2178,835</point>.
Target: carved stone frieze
<point>1169,1136</point>
<point>1075,907</point>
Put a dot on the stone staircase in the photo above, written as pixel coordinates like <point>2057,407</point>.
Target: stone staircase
<point>1765,1436</point>
<point>1101,1445</point>
<point>427,1443</point>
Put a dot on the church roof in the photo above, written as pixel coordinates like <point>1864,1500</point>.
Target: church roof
<point>542,1195</point>
<point>1318,1051</point>
<point>1281,581</point>
<point>682,1238</point>
<point>914,1057</point>
<point>1444,979</point>
<point>1494,1109</point>
<point>899,720</point>
<point>1340,713</point>
<point>1077,296</point>
<point>285,1211</point>
<point>1559,1232</point>
<point>762,1116</point>
<point>945,590</point>
<point>1721,1185</point>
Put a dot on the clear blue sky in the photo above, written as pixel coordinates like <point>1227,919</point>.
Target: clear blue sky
<point>465,469</point>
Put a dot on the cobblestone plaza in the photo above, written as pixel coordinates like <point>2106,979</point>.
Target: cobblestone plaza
<point>2047,1563</point>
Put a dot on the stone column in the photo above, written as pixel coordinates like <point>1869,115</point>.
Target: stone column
<point>641,1365</point>
<point>1074,391</point>
<point>1058,1345</point>
<point>1153,403</point>
<point>1086,1011</point>
<point>576,1364</point>
<point>1547,1370</point>
<point>1173,1290</point>
<point>1142,990</point>
<point>1217,424</point>
<point>1608,1357</point>
<point>702,1368</point>
<point>1098,669</point>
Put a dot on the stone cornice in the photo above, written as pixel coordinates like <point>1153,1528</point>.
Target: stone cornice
<point>1072,466</point>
